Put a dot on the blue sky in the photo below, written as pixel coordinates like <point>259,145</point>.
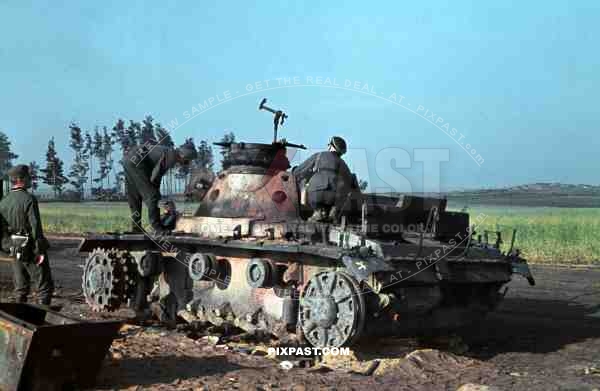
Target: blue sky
<point>518,80</point>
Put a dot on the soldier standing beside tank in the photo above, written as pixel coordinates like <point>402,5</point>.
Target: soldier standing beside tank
<point>144,167</point>
<point>326,179</point>
<point>23,234</point>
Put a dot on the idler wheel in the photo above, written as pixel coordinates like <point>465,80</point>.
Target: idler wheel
<point>109,279</point>
<point>332,310</point>
<point>260,273</point>
<point>200,266</point>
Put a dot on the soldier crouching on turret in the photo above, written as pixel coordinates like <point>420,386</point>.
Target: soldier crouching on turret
<point>326,179</point>
<point>23,235</point>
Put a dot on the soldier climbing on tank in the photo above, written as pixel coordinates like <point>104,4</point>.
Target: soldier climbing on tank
<point>326,179</point>
<point>144,167</point>
<point>23,237</point>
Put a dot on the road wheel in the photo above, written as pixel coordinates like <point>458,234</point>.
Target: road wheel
<point>332,310</point>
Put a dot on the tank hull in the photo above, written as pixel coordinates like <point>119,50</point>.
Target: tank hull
<point>403,295</point>
<point>378,266</point>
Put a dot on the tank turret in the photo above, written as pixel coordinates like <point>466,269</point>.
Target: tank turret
<point>254,183</point>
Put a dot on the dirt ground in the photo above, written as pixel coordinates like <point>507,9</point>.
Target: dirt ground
<point>541,338</point>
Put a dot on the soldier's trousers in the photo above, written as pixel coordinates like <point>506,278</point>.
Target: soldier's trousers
<point>175,288</point>
<point>26,273</point>
<point>139,188</point>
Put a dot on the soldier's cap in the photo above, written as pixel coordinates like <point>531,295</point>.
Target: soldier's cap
<point>188,151</point>
<point>19,171</point>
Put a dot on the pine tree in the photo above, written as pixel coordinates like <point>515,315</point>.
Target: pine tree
<point>182,172</point>
<point>227,138</point>
<point>106,162</point>
<point>79,166</point>
<point>53,173</point>
<point>60,178</point>
<point>120,182</point>
<point>133,131</point>
<point>34,172</point>
<point>205,156</point>
<point>163,136</point>
<point>98,154</point>
<point>119,134</point>
<point>147,131</point>
<point>6,155</point>
<point>88,152</point>
<point>118,131</point>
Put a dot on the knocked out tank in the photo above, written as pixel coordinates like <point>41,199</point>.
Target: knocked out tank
<point>384,266</point>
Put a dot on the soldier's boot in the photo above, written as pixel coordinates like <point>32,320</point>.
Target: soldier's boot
<point>162,312</point>
<point>45,288</point>
<point>142,317</point>
<point>154,218</point>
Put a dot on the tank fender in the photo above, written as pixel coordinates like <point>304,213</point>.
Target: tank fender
<point>351,240</point>
<point>362,267</point>
<point>520,266</point>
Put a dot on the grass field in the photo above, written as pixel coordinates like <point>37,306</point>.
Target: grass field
<point>549,235</point>
<point>73,217</point>
<point>546,234</point>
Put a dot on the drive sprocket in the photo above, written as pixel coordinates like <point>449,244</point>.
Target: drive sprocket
<point>109,279</point>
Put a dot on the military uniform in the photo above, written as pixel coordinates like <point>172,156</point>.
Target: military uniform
<point>144,168</point>
<point>173,290</point>
<point>21,215</point>
<point>326,178</point>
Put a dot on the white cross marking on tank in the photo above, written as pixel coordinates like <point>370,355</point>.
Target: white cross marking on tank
<point>361,265</point>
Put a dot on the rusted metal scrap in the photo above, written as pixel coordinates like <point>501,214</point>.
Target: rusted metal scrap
<point>41,349</point>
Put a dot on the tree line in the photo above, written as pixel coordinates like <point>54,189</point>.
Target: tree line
<point>95,167</point>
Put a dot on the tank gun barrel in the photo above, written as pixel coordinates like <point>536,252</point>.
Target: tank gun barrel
<point>299,146</point>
